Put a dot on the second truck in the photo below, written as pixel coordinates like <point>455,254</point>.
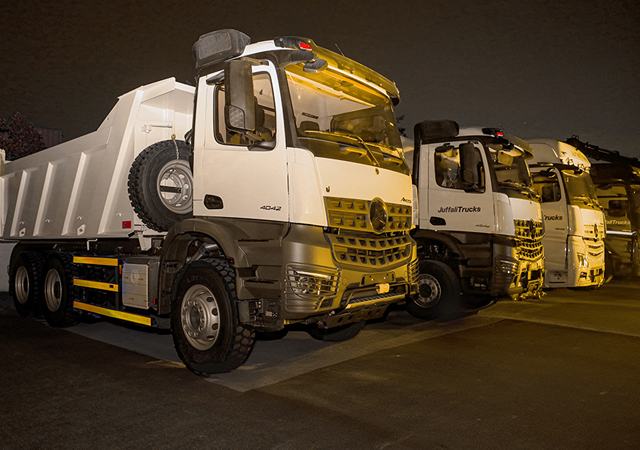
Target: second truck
<point>480,225</point>
<point>575,225</point>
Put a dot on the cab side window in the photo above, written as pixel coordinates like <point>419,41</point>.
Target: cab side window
<point>547,186</point>
<point>265,113</point>
<point>455,171</point>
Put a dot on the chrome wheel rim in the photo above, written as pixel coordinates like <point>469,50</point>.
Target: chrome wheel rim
<point>53,290</point>
<point>175,186</point>
<point>429,291</point>
<point>21,285</point>
<point>199,317</point>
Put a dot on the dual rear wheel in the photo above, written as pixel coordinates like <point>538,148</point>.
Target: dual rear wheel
<point>40,285</point>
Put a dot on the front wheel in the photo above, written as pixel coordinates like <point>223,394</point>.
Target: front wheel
<point>438,292</point>
<point>206,332</point>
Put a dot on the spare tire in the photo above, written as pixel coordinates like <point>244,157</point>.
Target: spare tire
<point>161,184</point>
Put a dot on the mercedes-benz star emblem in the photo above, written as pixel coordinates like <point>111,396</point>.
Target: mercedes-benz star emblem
<point>532,229</point>
<point>378,215</point>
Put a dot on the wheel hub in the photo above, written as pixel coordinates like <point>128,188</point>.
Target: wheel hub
<point>53,290</point>
<point>429,291</point>
<point>199,317</point>
<point>21,285</point>
<point>175,186</point>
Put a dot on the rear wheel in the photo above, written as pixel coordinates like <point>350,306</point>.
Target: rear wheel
<point>24,282</point>
<point>58,291</point>
<point>438,292</point>
<point>206,332</point>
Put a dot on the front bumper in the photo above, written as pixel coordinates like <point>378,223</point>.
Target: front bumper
<point>332,282</point>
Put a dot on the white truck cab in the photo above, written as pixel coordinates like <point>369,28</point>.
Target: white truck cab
<point>480,223</point>
<point>574,221</point>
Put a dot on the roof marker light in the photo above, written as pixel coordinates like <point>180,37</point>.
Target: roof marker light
<point>304,46</point>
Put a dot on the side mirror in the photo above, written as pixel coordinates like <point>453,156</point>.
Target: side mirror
<point>470,159</point>
<point>239,108</point>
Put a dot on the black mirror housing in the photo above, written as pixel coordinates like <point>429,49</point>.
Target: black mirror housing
<point>469,159</point>
<point>239,108</point>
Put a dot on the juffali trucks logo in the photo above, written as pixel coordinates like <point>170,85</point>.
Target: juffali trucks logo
<point>556,217</point>
<point>459,209</point>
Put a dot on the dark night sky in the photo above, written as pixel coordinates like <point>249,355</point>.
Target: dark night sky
<point>538,69</point>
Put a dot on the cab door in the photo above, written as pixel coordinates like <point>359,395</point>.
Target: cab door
<point>547,182</point>
<point>234,177</point>
<point>458,196</point>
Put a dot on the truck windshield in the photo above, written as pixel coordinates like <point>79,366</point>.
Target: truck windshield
<point>340,117</point>
<point>580,189</point>
<point>614,200</point>
<point>634,193</point>
<point>512,171</point>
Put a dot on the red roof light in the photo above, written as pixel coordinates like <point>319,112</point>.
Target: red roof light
<point>304,46</point>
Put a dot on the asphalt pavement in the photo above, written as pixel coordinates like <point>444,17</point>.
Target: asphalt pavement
<point>560,372</point>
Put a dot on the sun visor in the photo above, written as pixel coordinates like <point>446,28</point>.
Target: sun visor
<point>218,46</point>
<point>436,129</point>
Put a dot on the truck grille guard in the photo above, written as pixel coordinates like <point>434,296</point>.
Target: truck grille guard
<point>315,283</point>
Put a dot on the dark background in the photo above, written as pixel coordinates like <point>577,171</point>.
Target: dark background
<point>538,68</point>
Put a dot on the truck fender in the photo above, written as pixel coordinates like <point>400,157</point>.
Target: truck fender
<point>176,249</point>
<point>432,245</point>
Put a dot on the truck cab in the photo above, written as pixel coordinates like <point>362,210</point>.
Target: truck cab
<point>574,221</point>
<point>480,222</point>
<point>618,190</point>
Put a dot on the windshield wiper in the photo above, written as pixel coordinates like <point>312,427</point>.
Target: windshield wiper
<point>353,143</point>
<point>517,186</point>
<point>392,158</point>
<point>587,200</point>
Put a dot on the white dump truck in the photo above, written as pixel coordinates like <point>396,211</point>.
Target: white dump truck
<point>287,202</point>
<point>574,221</point>
<point>480,223</point>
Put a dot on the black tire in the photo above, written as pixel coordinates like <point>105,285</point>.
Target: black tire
<point>161,185</point>
<point>271,335</point>
<point>438,292</point>
<point>204,320</point>
<point>609,268</point>
<point>58,291</point>
<point>337,334</point>
<point>24,282</point>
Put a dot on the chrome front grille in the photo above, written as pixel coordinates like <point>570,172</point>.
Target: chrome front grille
<point>350,214</point>
<point>595,250</point>
<point>529,229</point>
<point>529,234</point>
<point>529,250</point>
<point>371,251</point>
